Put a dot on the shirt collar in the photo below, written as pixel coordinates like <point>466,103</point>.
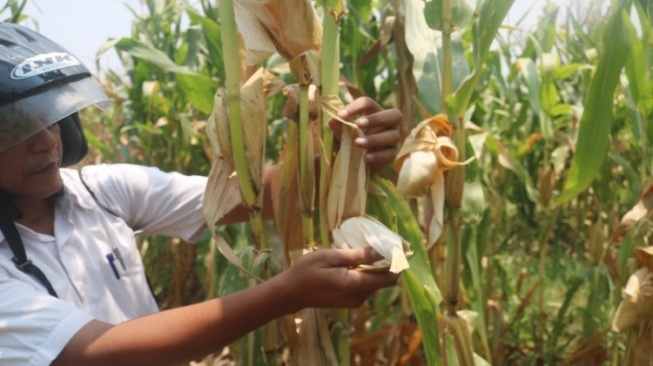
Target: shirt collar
<point>69,198</point>
<point>73,196</point>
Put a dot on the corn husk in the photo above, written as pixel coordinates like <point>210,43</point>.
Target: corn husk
<point>254,94</point>
<point>222,193</point>
<point>306,67</point>
<point>640,352</point>
<point>347,194</point>
<point>288,27</point>
<point>637,304</point>
<point>347,198</point>
<point>363,231</point>
<point>425,155</point>
<point>643,209</point>
<point>286,206</point>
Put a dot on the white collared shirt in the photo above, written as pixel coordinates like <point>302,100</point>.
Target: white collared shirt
<point>92,260</point>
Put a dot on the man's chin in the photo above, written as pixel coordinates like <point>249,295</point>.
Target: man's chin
<point>52,190</point>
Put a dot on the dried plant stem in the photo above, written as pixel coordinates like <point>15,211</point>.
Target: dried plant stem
<point>330,76</point>
<point>330,79</point>
<point>232,68</point>
<point>306,168</point>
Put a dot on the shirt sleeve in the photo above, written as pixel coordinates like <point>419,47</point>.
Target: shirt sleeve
<point>151,200</point>
<point>34,327</point>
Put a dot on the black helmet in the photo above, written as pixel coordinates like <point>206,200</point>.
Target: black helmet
<point>41,84</point>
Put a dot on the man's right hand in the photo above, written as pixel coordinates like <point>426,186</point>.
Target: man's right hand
<point>327,278</point>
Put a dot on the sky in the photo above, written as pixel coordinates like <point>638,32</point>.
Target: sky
<point>83,26</point>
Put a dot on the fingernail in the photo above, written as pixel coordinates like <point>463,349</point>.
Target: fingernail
<point>343,113</point>
<point>361,141</point>
<point>362,122</point>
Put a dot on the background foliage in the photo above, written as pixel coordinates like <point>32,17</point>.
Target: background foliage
<point>558,123</point>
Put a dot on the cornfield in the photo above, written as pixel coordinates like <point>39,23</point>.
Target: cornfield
<point>520,192</point>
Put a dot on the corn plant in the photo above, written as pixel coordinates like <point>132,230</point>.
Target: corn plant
<point>522,185</point>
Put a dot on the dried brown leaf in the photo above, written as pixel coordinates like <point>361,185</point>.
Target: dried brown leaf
<point>641,210</point>
<point>290,27</point>
<point>306,67</point>
<point>637,303</point>
<point>287,210</point>
<point>644,256</point>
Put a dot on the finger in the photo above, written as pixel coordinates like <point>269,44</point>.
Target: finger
<point>336,127</point>
<point>372,281</point>
<point>385,119</point>
<point>355,257</point>
<point>385,139</point>
<point>381,157</point>
<point>363,105</point>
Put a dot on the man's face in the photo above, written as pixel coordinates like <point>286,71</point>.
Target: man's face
<point>29,170</point>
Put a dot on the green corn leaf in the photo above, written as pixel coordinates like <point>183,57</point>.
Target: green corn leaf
<point>198,88</point>
<point>422,289</point>
<point>424,44</point>
<point>212,34</point>
<point>593,143</point>
<point>148,53</point>
<point>636,69</point>
<point>492,14</point>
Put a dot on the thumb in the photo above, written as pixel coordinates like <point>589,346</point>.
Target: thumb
<point>336,126</point>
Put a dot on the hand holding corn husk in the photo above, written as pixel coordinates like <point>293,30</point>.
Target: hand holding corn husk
<point>362,231</point>
<point>426,154</point>
<point>327,279</point>
<point>347,195</point>
<point>379,126</point>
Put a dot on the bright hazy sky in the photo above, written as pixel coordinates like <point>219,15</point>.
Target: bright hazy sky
<point>82,26</point>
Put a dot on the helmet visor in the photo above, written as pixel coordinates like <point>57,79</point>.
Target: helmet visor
<point>25,117</point>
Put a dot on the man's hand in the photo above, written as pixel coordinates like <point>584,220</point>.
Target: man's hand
<point>327,278</point>
<point>380,127</point>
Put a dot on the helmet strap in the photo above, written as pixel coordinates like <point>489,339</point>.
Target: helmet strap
<point>8,214</point>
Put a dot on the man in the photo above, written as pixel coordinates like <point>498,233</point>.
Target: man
<point>72,284</point>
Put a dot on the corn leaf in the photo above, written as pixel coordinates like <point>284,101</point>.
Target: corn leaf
<point>211,31</point>
<point>198,88</point>
<point>423,43</point>
<point>639,82</point>
<point>333,6</point>
<point>249,346</point>
<point>492,14</point>
<point>421,286</point>
<point>593,143</point>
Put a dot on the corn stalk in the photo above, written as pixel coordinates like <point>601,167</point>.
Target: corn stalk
<point>333,10</point>
<point>230,47</point>
<point>252,196</point>
<point>454,193</point>
<point>306,166</point>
